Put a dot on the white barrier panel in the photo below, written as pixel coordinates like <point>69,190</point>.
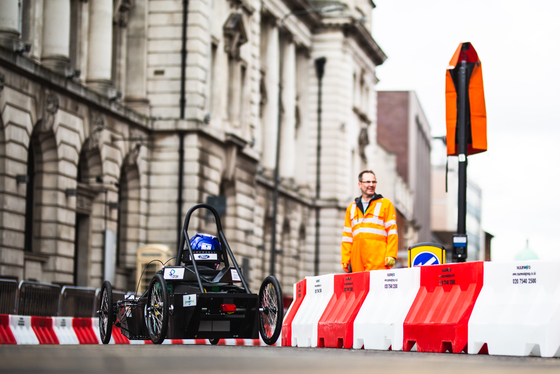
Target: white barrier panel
<point>320,290</point>
<point>379,323</point>
<point>95,327</point>
<point>518,310</point>
<point>64,331</point>
<point>22,330</point>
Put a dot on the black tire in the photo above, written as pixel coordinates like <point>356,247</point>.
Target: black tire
<point>271,310</point>
<point>157,311</point>
<point>105,312</point>
<point>214,341</point>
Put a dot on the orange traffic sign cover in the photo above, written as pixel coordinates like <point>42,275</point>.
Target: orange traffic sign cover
<point>477,141</point>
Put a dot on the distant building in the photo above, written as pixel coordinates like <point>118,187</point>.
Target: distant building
<point>445,206</point>
<point>526,254</point>
<point>118,116</point>
<point>403,132</point>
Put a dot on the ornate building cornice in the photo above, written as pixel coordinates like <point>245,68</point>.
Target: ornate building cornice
<point>356,30</point>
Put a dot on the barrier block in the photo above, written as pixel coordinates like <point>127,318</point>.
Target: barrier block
<point>64,331</point>
<point>336,326</point>
<point>299,294</point>
<point>43,328</point>
<point>6,336</point>
<point>319,292</point>
<point>137,342</point>
<point>379,323</point>
<point>118,337</point>
<point>22,330</point>
<point>518,310</point>
<point>438,318</point>
<point>83,327</point>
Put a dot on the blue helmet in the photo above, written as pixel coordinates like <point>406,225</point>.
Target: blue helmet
<point>205,242</point>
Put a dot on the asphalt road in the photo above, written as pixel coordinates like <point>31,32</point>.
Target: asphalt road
<point>124,359</point>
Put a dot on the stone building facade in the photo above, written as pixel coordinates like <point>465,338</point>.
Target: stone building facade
<point>117,116</point>
<point>403,131</point>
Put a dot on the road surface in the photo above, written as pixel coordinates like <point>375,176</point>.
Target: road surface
<point>168,359</point>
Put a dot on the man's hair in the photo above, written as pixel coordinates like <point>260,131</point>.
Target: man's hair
<point>365,172</point>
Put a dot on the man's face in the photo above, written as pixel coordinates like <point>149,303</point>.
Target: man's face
<point>367,185</point>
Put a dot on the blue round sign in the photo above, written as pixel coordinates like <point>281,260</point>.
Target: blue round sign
<point>425,258</point>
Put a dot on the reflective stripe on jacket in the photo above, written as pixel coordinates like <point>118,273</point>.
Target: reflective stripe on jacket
<point>368,238</point>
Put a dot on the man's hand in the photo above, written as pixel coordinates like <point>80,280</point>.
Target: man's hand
<point>389,262</point>
<point>345,268</point>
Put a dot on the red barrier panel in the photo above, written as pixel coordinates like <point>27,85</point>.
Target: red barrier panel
<point>84,331</point>
<point>336,326</point>
<point>43,328</point>
<point>438,318</point>
<point>6,335</point>
<point>300,290</point>
<point>118,337</point>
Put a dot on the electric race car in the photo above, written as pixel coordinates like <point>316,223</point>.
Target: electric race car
<point>203,296</point>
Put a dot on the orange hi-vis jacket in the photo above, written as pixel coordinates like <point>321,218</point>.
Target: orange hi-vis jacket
<point>368,238</point>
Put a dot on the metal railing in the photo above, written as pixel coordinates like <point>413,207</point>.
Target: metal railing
<point>77,302</point>
<point>37,299</point>
<point>28,298</point>
<point>8,292</point>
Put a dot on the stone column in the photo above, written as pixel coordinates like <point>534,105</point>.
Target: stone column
<point>136,58</point>
<point>9,30</point>
<point>100,51</point>
<point>288,131</point>
<point>56,35</point>
<point>270,115</point>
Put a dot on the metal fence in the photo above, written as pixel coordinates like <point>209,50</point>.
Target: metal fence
<point>77,302</point>
<point>37,299</point>
<point>8,292</point>
<point>47,300</point>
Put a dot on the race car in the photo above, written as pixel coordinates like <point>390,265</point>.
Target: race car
<point>203,296</point>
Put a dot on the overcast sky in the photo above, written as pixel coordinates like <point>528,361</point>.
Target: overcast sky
<point>518,43</point>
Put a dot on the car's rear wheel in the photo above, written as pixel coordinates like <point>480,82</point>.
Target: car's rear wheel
<point>105,312</point>
<point>157,309</point>
<point>271,310</point>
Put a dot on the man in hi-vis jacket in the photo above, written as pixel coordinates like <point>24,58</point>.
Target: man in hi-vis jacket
<point>369,238</point>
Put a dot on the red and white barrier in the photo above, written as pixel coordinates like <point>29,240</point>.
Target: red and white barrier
<point>438,318</point>
<point>300,290</point>
<point>336,326</point>
<point>22,331</point>
<point>518,310</point>
<point>43,328</point>
<point>379,324</point>
<point>6,335</point>
<point>69,330</point>
<point>497,308</point>
<point>320,290</point>
<point>63,329</point>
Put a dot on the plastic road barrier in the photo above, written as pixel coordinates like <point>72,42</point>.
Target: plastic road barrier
<point>518,310</point>
<point>43,328</point>
<point>299,295</point>
<point>304,326</point>
<point>22,330</point>
<point>84,330</point>
<point>63,329</point>
<point>336,326</point>
<point>379,323</point>
<point>438,318</point>
<point>16,329</point>
<point>6,336</point>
